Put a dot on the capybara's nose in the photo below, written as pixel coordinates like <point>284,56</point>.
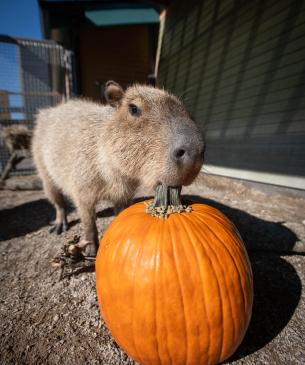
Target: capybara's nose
<point>178,154</point>
<point>187,154</point>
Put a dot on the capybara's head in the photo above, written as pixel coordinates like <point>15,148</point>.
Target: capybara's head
<point>153,137</point>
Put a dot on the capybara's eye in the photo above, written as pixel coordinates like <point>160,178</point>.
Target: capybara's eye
<point>134,110</point>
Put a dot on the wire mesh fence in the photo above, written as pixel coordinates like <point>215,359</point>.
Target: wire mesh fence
<point>33,75</point>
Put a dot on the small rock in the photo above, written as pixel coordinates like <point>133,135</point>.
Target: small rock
<point>55,318</point>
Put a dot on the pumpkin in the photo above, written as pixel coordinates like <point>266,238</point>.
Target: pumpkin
<point>177,290</point>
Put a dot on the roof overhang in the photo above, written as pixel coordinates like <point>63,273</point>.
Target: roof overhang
<point>122,16</point>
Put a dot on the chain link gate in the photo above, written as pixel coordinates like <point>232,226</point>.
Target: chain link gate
<point>34,74</point>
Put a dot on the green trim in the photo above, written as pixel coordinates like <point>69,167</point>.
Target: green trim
<point>122,16</point>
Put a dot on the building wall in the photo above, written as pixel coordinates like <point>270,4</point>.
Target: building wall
<point>119,53</point>
<point>240,68</point>
<point>4,103</point>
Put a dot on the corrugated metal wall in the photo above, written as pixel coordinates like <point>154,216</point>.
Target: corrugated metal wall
<point>240,68</point>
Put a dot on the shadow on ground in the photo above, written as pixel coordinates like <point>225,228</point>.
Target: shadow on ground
<point>108,212</point>
<point>25,218</point>
<point>258,234</point>
<point>31,216</point>
<point>277,291</point>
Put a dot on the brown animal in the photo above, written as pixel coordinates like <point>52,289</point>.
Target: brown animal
<point>18,141</point>
<point>16,138</point>
<point>93,152</point>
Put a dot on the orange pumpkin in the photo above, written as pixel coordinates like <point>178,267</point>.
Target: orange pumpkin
<point>177,290</point>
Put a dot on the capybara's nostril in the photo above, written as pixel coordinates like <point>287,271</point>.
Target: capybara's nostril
<point>178,154</point>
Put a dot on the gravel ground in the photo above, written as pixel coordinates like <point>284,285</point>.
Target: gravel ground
<point>44,320</point>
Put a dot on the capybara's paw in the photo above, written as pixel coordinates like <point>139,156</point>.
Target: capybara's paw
<point>86,248</point>
<point>59,228</point>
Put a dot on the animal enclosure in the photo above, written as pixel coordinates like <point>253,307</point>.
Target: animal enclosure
<point>33,75</point>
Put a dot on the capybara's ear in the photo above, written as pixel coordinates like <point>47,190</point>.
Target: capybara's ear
<point>113,93</point>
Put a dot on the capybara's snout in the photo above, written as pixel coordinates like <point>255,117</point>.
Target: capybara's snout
<point>188,150</point>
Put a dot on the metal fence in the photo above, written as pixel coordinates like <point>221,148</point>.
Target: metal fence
<point>33,75</point>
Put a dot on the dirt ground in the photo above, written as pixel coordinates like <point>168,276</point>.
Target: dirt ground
<point>44,320</point>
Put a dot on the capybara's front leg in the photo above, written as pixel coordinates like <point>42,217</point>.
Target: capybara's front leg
<point>89,243</point>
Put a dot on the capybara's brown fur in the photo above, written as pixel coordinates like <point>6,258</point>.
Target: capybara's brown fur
<point>93,152</point>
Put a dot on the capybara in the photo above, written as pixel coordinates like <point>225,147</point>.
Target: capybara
<point>92,152</point>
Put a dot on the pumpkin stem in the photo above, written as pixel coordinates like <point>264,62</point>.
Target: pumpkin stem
<point>167,201</point>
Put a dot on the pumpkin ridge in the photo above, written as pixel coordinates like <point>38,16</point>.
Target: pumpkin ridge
<point>131,230</point>
<point>240,268</point>
<point>138,260</point>
<point>135,209</point>
<point>173,238</point>
<point>241,250</point>
<point>237,248</point>
<point>114,254</point>
<point>223,220</point>
<point>227,291</point>
<point>191,234</point>
<point>242,289</point>
<point>157,252</point>
<point>217,284</point>
<point>114,251</point>
<point>164,295</point>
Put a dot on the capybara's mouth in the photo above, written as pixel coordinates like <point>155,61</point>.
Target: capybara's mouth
<point>181,179</point>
